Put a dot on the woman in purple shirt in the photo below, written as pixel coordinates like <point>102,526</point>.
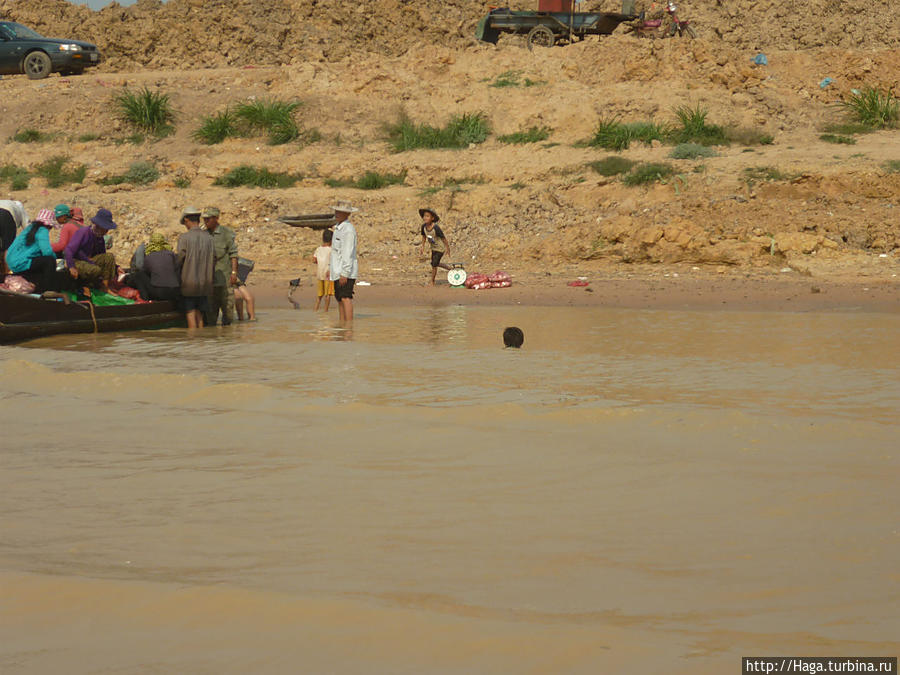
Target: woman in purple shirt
<point>86,256</point>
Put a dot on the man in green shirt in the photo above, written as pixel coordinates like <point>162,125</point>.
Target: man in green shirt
<point>225,276</point>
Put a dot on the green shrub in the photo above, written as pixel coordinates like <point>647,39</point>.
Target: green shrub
<point>695,129</point>
<point>612,165</point>
<point>532,135</point>
<point>182,182</point>
<point>216,128</point>
<point>847,129</point>
<point>648,173</point>
<point>87,138</point>
<point>892,166</point>
<point>147,111</point>
<point>17,176</point>
<point>31,136</point>
<point>459,132</point>
<point>139,173</point>
<point>256,177</point>
<point>873,107</point>
<point>835,138</point>
<point>371,180</point>
<point>691,151</point>
<point>57,172</point>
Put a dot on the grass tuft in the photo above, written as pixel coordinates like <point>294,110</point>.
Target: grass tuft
<point>847,129</point>
<point>836,138</point>
<point>17,176</point>
<point>892,166</point>
<point>692,151</point>
<point>371,180</point>
<point>459,132</point>
<point>31,136</point>
<point>531,135</point>
<point>613,165</point>
<point>57,171</point>
<point>147,111</point>
<point>139,173</point>
<point>216,128</point>
<point>252,176</point>
<point>511,78</point>
<point>695,129</point>
<point>873,107</point>
<point>752,174</point>
<point>87,138</point>
<point>270,116</point>
<point>648,173</point>
<point>744,136</point>
<point>611,134</point>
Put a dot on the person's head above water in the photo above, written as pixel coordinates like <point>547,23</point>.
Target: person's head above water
<point>513,337</point>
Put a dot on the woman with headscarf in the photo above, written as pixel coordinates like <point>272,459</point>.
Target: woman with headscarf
<point>158,278</point>
<point>73,220</point>
<point>30,255</point>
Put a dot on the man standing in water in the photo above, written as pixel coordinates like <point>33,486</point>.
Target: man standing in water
<point>196,257</point>
<point>225,276</point>
<point>344,266</point>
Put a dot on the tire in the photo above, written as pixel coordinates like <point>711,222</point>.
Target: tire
<point>37,65</point>
<point>540,36</point>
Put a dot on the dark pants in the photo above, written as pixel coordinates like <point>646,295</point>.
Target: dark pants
<point>141,281</point>
<point>42,273</point>
<point>7,229</point>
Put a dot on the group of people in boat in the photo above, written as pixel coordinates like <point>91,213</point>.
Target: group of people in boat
<point>200,275</point>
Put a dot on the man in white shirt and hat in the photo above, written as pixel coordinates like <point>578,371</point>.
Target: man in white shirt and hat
<point>344,266</point>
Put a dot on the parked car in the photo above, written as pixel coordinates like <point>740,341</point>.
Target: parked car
<point>24,51</point>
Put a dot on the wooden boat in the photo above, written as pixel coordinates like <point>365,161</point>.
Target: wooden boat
<point>315,221</point>
<point>23,317</point>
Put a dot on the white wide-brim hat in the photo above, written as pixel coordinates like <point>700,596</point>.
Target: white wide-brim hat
<point>344,207</point>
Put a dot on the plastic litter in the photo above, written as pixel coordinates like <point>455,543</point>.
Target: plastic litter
<point>363,283</point>
<point>760,59</point>
<point>578,283</point>
<point>824,83</point>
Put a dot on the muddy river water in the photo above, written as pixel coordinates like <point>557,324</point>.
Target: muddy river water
<point>632,492</point>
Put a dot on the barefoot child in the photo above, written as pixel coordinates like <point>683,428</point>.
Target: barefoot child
<point>434,235</point>
<point>322,258</point>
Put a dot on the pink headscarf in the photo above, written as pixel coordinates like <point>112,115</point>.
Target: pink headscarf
<point>46,217</point>
<point>77,215</point>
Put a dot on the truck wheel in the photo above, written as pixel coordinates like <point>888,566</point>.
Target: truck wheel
<point>37,65</point>
<point>540,36</point>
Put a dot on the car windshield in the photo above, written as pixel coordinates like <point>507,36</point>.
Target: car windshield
<point>17,30</point>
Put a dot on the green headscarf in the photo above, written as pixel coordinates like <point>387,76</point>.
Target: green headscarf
<point>157,243</point>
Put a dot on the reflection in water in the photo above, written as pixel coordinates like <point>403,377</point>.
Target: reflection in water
<point>630,492</point>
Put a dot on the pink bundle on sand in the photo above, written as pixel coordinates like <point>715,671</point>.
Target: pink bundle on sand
<point>480,282</point>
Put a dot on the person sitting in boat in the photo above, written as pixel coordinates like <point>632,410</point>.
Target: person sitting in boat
<point>70,225</point>
<point>157,277</point>
<point>86,256</point>
<point>12,217</point>
<point>30,255</point>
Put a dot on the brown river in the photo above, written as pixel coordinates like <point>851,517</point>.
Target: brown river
<point>632,492</point>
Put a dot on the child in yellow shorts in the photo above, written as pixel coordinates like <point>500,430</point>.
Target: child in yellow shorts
<point>322,258</point>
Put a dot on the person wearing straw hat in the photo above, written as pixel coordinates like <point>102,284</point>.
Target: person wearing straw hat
<point>86,256</point>
<point>196,260</point>
<point>344,264</point>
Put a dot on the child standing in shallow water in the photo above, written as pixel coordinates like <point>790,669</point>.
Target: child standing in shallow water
<point>322,258</point>
<point>434,235</point>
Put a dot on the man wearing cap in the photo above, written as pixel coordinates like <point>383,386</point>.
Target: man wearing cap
<point>196,260</point>
<point>344,265</point>
<point>225,276</point>
<point>86,256</point>
<point>63,215</point>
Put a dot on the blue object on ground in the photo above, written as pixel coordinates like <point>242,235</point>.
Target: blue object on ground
<point>760,59</point>
<point>824,83</point>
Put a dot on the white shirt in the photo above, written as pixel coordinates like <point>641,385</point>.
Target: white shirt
<point>343,252</point>
<point>323,261</point>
